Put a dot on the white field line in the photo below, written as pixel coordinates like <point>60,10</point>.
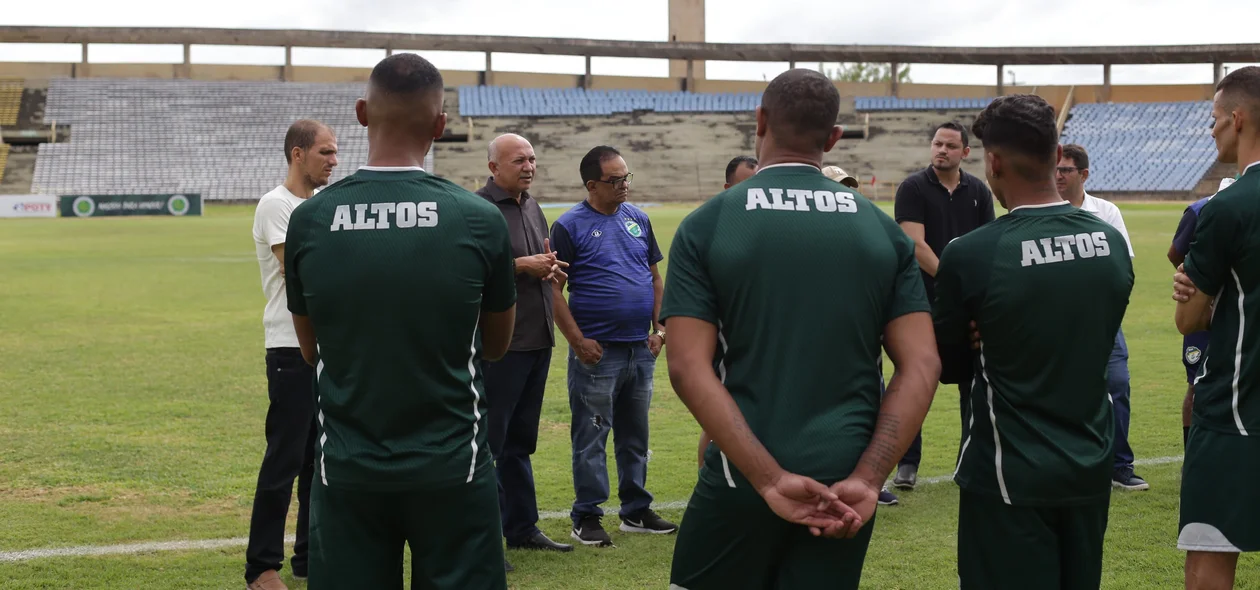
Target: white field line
<point>135,548</point>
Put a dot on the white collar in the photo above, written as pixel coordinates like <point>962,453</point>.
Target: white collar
<point>1041,206</point>
<point>785,164</point>
<point>391,168</point>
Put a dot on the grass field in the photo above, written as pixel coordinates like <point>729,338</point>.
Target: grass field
<point>132,397</point>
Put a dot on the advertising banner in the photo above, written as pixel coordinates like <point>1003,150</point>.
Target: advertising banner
<point>113,205</point>
<point>28,205</point>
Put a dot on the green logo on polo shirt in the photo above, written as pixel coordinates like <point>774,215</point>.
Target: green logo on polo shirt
<point>634,228</point>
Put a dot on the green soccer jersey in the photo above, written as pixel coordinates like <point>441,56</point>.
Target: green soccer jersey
<point>1047,287</point>
<point>1224,262</point>
<point>800,274</point>
<point>394,267</point>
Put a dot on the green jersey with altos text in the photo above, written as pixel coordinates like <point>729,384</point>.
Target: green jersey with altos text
<point>394,267</point>
<point>1224,262</point>
<point>1047,286</point>
<point>800,274</point>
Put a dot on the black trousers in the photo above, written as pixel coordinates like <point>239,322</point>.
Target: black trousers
<point>514,393</point>
<point>290,455</point>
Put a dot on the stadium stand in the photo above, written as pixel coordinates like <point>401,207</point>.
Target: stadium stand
<point>889,103</point>
<point>510,101</point>
<point>219,139</point>
<point>10,101</point>
<point>1143,147</point>
<point>4,159</point>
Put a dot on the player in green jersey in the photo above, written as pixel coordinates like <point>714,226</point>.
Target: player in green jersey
<point>402,454</point>
<point>1036,459</point>
<point>791,278</point>
<point>1220,279</point>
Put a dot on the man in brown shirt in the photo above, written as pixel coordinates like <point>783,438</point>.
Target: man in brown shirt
<point>515,384</point>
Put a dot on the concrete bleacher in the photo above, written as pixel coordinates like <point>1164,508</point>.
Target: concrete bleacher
<point>223,140</point>
<point>1143,147</point>
<point>10,101</point>
<point>889,103</point>
<point>511,101</point>
<point>4,159</point>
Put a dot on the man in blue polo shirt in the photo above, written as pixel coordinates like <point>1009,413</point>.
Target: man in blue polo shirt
<point>614,299</point>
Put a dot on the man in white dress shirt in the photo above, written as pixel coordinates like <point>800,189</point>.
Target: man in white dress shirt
<point>1070,177</point>
<point>310,147</point>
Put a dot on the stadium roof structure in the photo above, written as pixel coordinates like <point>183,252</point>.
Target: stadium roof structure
<point>1120,54</point>
<point>690,52</point>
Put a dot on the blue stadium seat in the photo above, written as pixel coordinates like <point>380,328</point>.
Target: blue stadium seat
<point>1143,146</point>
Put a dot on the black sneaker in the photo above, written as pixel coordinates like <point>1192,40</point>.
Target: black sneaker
<point>1125,479</point>
<point>886,498</point>
<point>591,533</point>
<point>647,521</point>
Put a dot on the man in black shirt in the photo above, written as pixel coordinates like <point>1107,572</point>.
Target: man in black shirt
<point>934,206</point>
<point>515,383</point>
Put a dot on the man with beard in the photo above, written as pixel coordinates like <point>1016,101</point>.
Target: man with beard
<point>934,206</point>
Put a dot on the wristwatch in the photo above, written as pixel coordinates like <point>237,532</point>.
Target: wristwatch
<point>660,333</point>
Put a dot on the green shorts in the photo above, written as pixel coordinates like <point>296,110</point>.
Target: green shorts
<point>729,538</point>
<point>1031,548</point>
<point>1220,516</point>
<point>357,538</point>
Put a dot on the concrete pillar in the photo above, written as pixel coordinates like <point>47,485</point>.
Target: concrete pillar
<point>1106,83</point>
<point>896,84</point>
<point>586,79</point>
<point>686,25</point>
<point>691,76</point>
<point>81,70</point>
<point>489,71</point>
<point>792,65</point>
<point>287,73</point>
<point>1218,69</point>
<point>389,51</point>
<point>1001,80</point>
<point>185,70</point>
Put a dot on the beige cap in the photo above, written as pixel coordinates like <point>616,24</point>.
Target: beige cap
<point>838,174</point>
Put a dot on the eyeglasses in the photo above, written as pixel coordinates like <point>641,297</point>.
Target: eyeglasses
<point>616,180</point>
<point>1066,170</point>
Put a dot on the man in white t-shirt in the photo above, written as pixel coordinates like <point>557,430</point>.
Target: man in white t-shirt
<point>1070,177</point>
<point>310,147</point>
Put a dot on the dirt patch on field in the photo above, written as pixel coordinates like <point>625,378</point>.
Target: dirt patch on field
<point>103,502</point>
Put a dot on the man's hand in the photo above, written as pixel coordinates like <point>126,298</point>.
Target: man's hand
<point>543,266</point>
<point>589,351</point>
<point>655,342</point>
<point>975,335</point>
<point>1183,287</point>
<point>801,500</point>
<point>861,498</point>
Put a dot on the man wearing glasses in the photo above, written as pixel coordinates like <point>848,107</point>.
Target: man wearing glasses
<point>1070,177</point>
<point>611,323</point>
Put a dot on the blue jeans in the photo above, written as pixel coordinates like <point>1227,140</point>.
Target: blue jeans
<point>614,393</point>
<point>1118,387</point>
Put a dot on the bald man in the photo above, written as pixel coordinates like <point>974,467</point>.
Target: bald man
<point>400,284</point>
<point>515,383</point>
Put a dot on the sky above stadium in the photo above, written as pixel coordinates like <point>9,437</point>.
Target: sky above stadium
<point>893,22</point>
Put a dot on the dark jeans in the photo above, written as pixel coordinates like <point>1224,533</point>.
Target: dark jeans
<point>613,394</point>
<point>514,393</point>
<point>290,455</point>
<point>1118,388</point>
